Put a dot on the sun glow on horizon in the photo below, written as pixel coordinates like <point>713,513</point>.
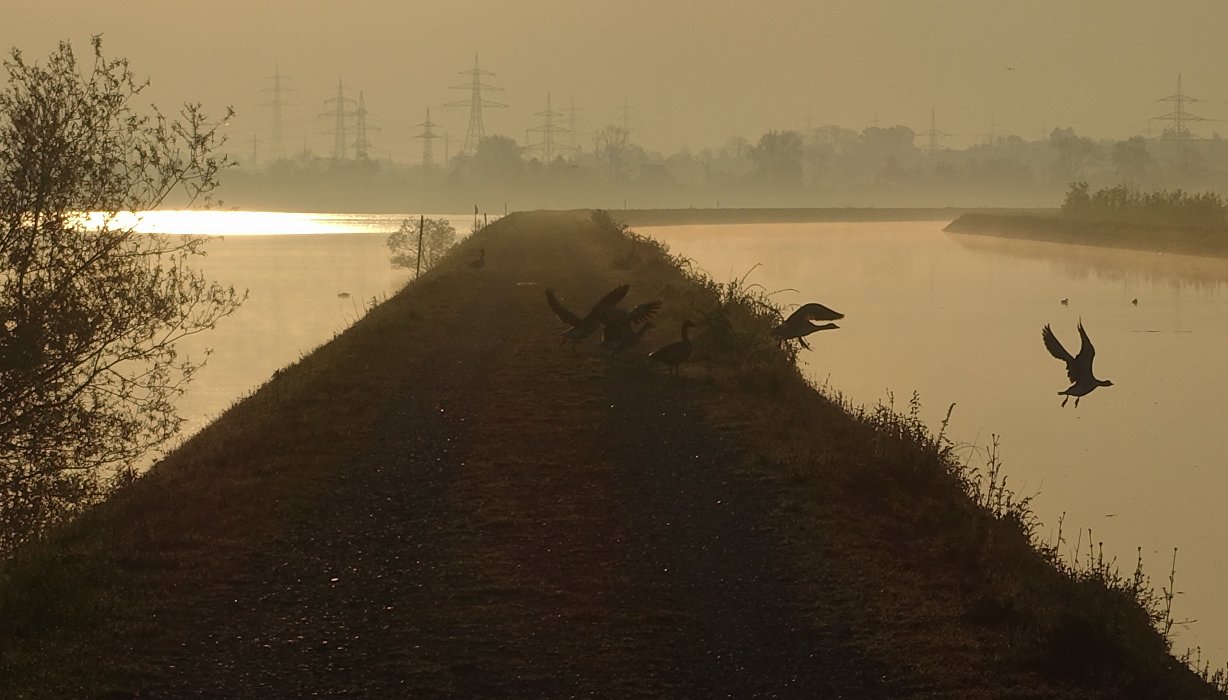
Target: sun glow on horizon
<point>212,222</point>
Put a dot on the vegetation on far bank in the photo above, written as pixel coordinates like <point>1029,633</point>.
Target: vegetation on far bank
<point>1163,221</point>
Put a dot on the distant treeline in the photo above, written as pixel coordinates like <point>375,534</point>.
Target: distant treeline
<point>1127,204</point>
<point>828,166</point>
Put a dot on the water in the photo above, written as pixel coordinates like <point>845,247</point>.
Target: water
<point>1143,463</point>
<point>308,276</point>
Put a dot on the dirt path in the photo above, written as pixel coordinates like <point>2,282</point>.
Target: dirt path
<point>470,509</point>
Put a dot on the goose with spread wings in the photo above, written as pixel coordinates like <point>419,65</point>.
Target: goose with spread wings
<point>618,327</point>
<point>801,323</point>
<point>580,328</point>
<point>1078,367</point>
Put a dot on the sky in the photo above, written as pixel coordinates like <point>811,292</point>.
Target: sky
<point>693,74</point>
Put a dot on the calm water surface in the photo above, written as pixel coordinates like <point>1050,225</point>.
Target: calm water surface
<point>1143,463</point>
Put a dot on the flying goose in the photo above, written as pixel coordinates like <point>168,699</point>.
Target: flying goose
<point>1078,367</point>
<point>799,324</point>
<point>581,328</point>
<point>618,331</point>
<point>675,354</point>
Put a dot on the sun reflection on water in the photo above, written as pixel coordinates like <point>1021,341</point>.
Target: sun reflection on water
<point>213,222</point>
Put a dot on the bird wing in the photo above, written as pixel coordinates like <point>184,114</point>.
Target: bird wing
<point>1087,353</point>
<point>561,311</point>
<point>1055,348</point>
<point>607,303</point>
<point>817,312</point>
<point>643,312</point>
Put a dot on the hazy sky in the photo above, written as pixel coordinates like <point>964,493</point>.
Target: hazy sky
<point>694,73</point>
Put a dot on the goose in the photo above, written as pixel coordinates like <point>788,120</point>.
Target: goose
<point>1066,302</point>
<point>626,338</point>
<point>481,261</point>
<point>675,354</point>
<point>1078,367</point>
<point>799,324</point>
<point>618,331</point>
<point>581,328</point>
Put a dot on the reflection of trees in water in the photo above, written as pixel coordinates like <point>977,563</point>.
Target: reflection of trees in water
<point>1181,272</point>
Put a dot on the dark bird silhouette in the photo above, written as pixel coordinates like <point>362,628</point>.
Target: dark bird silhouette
<point>1134,301</point>
<point>1065,302</point>
<point>800,323</point>
<point>481,261</point>
<point>1078,367</point>
<point>626,338</point>
<point>581,328</point>
<point>675,354</point>
<point>618,332</point>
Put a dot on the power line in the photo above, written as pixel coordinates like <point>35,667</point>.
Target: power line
<point>475,103</point>
<point>428,135</point>
<point>547,130</point>
<point>339,114</point>
<point>362,145</point>
<point>1179,117</point>
<point>278,89</point>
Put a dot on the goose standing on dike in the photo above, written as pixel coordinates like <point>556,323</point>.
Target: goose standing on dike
<point>800,323</point>
<point>581,328</point>
<point>618,332</point>
<point>1078,367</point>
<point>675,354</point>
<point>481,261</point>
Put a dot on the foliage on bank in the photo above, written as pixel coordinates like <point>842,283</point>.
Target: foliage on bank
<point>1127,204</point>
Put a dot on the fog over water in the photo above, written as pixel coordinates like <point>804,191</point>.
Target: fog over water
<point>957,318</point>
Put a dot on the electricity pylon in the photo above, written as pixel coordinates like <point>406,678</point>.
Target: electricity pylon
<point>278,90</point>
<point>547,130</point>
<point>339,114</point>
<point>428,135</point>
<point>475,103</point>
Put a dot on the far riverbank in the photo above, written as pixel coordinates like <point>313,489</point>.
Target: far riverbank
<point>692,216</point>
<point>1183,240</point>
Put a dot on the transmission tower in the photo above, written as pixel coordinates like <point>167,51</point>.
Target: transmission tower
<point>932,145</point>
<point>572,146</point>
<point>339,114</point>
<point>278,90</point>
<point>626,117</point>
<point>1179,117</point>
<point>362,145</point>
<point>547,130</point>
<point>475,103</point>
<point>428,135</point>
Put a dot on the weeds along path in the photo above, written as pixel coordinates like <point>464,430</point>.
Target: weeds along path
<point>447,502</point>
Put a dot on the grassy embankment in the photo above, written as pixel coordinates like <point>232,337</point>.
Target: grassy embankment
<point>445,502</point>
<point>1207,241</point>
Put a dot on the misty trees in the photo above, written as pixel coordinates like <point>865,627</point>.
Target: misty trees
<point>1074,153</point>
<point>90,310</point>
<point>437,237</point>
<point>1131,159</point>
<point>778,159</point>
<point>497,159</point>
